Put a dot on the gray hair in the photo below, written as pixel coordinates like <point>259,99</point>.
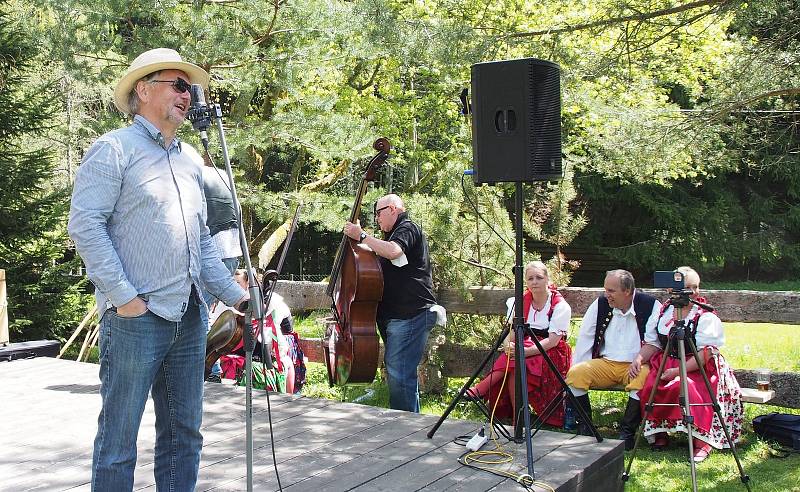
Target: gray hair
<point>133,96</point>
<point>395,201</point>
<point>625,279</point>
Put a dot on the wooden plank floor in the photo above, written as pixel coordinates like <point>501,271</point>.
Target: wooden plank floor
<point>48,417</point>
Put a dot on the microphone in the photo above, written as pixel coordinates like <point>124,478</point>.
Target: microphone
<point>466,108</point>
<point>198,112</point>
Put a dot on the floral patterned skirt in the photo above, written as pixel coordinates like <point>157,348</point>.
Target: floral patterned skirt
<point>543,385</point>
<point>707,426</point>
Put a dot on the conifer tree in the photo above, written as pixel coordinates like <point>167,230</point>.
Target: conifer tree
<point>43,299</point>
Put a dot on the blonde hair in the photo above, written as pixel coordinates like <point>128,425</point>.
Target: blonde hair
<point>539,266</point>
<point>689,271</point>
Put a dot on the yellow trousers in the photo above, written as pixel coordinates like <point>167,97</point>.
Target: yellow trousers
<point>604,373</point>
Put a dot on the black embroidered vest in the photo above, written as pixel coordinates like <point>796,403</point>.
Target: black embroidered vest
<point>642,304</point>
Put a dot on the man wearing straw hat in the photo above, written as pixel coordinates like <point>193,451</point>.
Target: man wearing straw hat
<point>138,219</point>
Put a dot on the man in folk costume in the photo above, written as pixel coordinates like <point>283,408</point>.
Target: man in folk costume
<point>616,340</point>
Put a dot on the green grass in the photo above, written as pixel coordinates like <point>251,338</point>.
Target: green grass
<point>750,285</point>
<point>669,470</point>
<point>754,345</point>
<point>309,326</point>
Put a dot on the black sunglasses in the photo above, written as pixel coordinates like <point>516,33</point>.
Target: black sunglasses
<point>379,210</point>
<point>178,84</point>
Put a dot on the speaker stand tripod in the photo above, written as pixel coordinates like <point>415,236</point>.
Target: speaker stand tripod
<point>677,335</point>
<point>522,429</point>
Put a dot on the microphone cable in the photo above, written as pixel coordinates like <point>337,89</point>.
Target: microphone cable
<point>266,390</point>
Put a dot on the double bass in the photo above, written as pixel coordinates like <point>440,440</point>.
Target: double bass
<point>350,343</point>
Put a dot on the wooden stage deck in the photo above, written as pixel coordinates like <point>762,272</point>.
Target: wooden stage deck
<point>49,414</point>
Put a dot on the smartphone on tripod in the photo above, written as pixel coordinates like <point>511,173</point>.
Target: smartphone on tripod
<point>672,280</point>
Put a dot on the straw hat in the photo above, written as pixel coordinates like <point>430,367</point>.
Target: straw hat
<point>153,61</point>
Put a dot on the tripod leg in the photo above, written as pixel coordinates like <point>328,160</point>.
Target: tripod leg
<point>547,411</point>
<point>688,419</point>
<point>648,409</point>
<point>701,367</point>
<point>571,399</point>
<point>521,380</point>
<point>466,386</point>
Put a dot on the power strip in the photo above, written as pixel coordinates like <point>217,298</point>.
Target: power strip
<point>477,441</point>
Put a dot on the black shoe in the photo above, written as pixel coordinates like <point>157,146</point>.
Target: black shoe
<point>213,378</point>
<point>584,427</point>
<point>630,423</point>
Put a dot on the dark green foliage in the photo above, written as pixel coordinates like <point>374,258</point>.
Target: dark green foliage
<point>739,225</point>
<point>43,299</point>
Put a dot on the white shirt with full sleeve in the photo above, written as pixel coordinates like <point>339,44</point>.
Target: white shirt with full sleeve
<point>622,341</point>
<point>709,327</point>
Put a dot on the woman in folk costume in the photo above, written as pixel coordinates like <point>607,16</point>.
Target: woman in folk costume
<point>281,377</point>
<point>705,328</point>
<point>548,315</point>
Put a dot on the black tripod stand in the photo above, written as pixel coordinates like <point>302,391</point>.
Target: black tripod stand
<point>522,430</point>
<point>677,335</point>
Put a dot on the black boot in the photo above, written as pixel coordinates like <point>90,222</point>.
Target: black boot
<point>584,427</point>
<point>630,423</point>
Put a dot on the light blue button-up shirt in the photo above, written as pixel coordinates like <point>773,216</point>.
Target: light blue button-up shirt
<point>138,220</point>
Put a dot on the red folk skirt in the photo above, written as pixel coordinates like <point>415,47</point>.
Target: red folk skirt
<point>707,426</point>
<point>543,385</point>
<point>669,391</point>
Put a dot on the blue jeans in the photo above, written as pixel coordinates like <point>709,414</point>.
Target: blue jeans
<point>404,342</point>
<point>139,355</point>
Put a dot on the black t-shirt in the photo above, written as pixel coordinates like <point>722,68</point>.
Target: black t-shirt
<point>407,290</point>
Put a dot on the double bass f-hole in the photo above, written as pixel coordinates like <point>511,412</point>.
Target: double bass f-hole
<point>355,287</point>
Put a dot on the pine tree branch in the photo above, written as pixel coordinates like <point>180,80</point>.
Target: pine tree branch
<point>476,264</point>
<point>275,5</point>
<point>328,179</point>
<point>622,19</point>
<point>790,91</point>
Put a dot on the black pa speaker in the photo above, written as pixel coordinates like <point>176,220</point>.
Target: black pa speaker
<point>516,121</point>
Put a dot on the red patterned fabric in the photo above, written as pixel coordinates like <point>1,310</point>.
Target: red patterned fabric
<point>233,365</point>
<point>728,397</point>
<point>543,385</point>
<point>669,391</point>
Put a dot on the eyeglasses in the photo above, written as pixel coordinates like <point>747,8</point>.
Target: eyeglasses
<point>178,84</point>
<point>379,210</point>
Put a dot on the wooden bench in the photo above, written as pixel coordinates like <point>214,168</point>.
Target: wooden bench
<point>749,395</point>
<point>752,395</point>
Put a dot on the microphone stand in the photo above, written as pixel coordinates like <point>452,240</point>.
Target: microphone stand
<point>255,309</point>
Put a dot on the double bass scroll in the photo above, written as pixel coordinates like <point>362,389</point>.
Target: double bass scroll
<point>351,344</point>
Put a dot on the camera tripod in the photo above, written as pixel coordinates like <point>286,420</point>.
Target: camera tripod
<point>677,335</point>
<point>521,374</point>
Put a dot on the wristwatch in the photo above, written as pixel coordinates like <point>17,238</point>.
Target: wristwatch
<point>362,236</point>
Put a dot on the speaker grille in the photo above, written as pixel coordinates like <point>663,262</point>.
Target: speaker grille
<point>544,136</point>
